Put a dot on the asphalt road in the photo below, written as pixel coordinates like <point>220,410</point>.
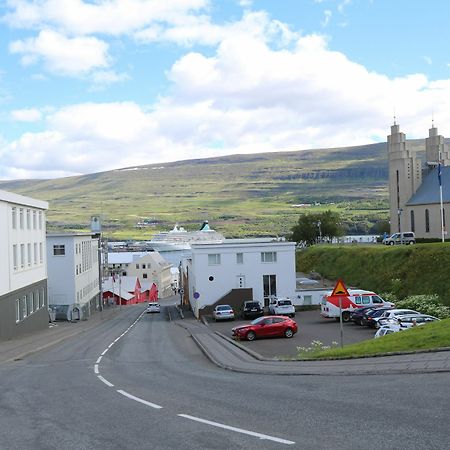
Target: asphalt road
<point>311,326</point>
<point>145,385</point>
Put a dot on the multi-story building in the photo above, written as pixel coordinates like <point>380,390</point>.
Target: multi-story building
<point>23,274</point>
<point>73,274</point>
<point>236,270</point>
<point>147,266</point>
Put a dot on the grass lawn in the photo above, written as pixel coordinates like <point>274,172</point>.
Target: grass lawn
<point>426,337</point>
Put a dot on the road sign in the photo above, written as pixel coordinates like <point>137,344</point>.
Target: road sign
<point>181,291</point>
<point>340,288</point>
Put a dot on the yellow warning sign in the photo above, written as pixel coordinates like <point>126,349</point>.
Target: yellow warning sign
<point>340,288</point>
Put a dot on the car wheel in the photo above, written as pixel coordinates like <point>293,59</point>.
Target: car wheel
<point>288,333</point>
<point>411,243</point>
<point>251,336</point>
<point>391,243</point>
<point>345,316</point>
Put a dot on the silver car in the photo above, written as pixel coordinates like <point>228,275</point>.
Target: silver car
<point>223,312</point>
<point>153,308</point>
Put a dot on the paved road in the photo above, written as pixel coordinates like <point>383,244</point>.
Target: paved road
<point>311,327</point>
<point>158,391</point>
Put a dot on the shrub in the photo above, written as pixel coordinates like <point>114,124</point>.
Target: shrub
<point>426,304</point>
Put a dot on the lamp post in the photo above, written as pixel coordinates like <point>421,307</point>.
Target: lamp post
<point>319,223</point>
<point>399,212</point>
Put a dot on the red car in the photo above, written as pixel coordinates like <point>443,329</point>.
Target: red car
<point>266,326</point>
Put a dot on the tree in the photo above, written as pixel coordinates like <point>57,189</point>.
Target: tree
<point>317,226</point>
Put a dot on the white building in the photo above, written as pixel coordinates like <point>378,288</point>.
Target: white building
<point>147,266</point>
<point>235,269</point>
<point>23,274</point>
<point>73,274</point>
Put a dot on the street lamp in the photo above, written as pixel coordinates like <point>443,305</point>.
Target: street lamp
<point>319,223</point>
<point>399,212</point>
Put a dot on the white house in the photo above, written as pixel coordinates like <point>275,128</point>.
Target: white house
<point>147,266</point>
<point>266,266</point>
<point>73,274</point>
<point>23,274</point>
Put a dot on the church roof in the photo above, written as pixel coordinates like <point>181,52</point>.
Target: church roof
<point>428,192</point>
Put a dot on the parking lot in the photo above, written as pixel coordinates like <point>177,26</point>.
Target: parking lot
<point>311,326</point>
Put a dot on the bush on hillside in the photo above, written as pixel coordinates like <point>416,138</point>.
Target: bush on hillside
<point>425,304</point>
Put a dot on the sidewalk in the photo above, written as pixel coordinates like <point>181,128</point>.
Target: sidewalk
<point>16,349</point>
<point>230,355</point>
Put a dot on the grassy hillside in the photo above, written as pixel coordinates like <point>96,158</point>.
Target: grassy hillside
<point>241,195</point>
<point>403,270</point>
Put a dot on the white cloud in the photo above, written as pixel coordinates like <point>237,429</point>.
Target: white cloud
<point>112,17</point>
<point>327,17</point>
<point>26,115</point>
<point>70,56</point>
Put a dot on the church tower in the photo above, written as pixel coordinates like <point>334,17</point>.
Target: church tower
<point>436,149</point>
<point>405,176</point>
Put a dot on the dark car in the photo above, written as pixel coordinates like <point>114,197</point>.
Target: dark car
<point>266,326</point>
<point>369,316</point>
<point>357,314</point>
<point>252,310</point>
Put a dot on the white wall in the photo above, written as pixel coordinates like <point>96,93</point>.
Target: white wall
<point>226,275</point>
<point>31,271</point>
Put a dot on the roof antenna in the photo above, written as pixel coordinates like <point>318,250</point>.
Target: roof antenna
<point>432,119</point>
<point>395,122</point>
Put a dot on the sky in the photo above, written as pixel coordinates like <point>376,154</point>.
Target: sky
<point>88,86</point>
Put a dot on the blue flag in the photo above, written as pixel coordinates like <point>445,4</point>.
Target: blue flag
<point>440,174</point>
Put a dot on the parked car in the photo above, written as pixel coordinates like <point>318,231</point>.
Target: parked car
<point>409,320</point>
<point>153,307</point>
<point>266,326</point>
<point>371,316</point>
<point>406,237</point>
<point>223,312</point>
<point>357,314</point>
<point>252,309</point>
<point>281,306</point>
<point>387,329</point>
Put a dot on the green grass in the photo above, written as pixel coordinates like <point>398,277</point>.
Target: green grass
<point>427,337</point>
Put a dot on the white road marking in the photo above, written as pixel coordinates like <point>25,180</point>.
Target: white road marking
<point>104,352</point>
<point>96,368</point>
<point>140,400</point>
<point>105,381</point>
<point>110,345</point>
<point>238,430</point>
<point>99,359</point>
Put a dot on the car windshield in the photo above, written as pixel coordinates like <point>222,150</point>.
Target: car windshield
<point>257,321</point>
<point>223,308</point>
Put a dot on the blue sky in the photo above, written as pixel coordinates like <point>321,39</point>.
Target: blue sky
<point>87,86</point>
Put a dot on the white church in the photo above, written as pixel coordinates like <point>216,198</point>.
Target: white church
<point>419,197</point>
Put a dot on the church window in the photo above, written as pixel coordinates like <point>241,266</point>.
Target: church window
<point>413,225</point>
<point>427,220</point>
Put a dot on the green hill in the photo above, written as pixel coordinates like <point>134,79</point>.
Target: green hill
<point>241,195</point>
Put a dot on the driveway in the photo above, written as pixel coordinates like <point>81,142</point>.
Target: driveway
<point>311,326</point>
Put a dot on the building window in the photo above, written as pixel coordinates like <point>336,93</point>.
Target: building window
<point>36,300</point>
<point>269,287</point>
<point>268,257</point>
<point>28,219</point>
<point>42,297</point>
<point>14,217</point>
<point>24,306</point>
<point>29,303</point>
<point>21,218</point>
<point>413,225</point>
<point>144,275</point>
<point>41,253</point>
<point>22,255</point>
<point>143,266</point>
<point>35,253</point>
<point>18,310</point>
<point>214,259</point>
<point>239,258</point>
<point>59,250</point>
<point>40,220</point>
<point>137,266</point>
<point>427,221</point>
<point>15,256</point>
<point>29,254</point>
<point>34,220</point>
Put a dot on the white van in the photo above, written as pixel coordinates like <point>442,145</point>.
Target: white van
<point>407,237</point>
<point>357,298</point>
